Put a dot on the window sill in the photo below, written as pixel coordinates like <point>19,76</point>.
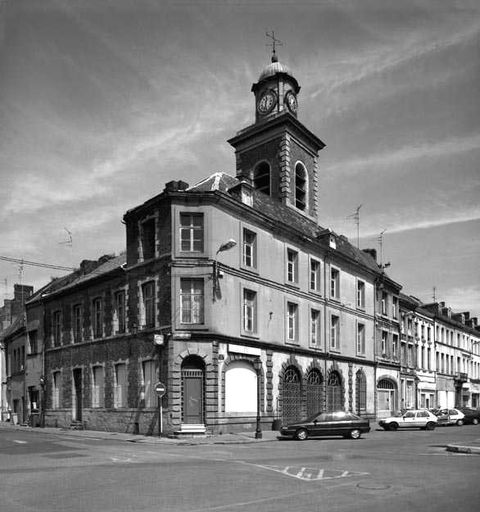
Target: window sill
<point>251,335</point>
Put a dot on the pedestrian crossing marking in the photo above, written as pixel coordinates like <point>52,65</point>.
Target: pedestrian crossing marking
<point>19,442</point>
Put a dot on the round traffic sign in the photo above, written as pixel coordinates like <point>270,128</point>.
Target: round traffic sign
<point>160,388</point>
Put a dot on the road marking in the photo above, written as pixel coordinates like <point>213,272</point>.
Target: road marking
<point>309,474</point>
<point>19,442</point>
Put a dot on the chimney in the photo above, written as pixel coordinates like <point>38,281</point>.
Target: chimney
<point>372,252</point>
<point>243,192</point>
<point>21,292</point>
<point>175,186</point>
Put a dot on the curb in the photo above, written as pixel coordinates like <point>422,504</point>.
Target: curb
<point>463,449</point>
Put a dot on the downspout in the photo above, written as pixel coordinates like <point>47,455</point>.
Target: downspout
<point>325,330</point>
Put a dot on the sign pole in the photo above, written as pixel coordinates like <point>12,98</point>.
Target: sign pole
<point>159,416</point>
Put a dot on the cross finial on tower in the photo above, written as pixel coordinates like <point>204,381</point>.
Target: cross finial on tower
<point>275,42</point>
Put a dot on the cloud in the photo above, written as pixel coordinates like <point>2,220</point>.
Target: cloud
<point>390,160</point>
<point>350,71</point>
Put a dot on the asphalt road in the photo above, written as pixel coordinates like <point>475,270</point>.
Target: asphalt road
<point>383,471</point>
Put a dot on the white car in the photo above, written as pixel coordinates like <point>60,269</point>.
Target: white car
<point>450,417</point>
<point>415,418</point>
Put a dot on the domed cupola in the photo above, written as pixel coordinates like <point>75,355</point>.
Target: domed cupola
<point>276,91</point>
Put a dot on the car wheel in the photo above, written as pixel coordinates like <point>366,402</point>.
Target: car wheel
<point>393,426</point>
<point>355,433</point>
<point>430,426</point>
<point>459,423</point>
<point>475,421</point>
<point>301,434</point>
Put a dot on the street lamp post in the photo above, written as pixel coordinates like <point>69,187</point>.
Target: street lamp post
<point>258,429</point>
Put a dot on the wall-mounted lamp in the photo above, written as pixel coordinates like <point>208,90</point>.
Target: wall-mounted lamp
<point>224,247</point>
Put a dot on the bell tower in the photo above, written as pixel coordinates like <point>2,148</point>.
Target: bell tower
<point>277,154</point>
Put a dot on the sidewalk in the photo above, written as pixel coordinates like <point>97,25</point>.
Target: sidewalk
<point>240,438</point>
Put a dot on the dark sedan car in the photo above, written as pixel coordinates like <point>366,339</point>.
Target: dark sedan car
<point>339,423</point>
<point>471,415</point>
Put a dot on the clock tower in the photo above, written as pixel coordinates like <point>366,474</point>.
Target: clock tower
<point>278,154</point>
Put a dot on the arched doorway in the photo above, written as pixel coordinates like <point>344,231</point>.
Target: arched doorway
<point>314,392</point>
<point>291,396</point>
<point>334,392</point>
<point>387,398</point>
<point>193,371</point>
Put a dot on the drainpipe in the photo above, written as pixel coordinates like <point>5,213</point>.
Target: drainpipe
<point>325,330</point>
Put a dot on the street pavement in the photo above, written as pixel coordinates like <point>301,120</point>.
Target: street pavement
<point>473,446</point>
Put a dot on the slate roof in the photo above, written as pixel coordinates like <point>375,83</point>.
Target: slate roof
<point>79,277</point>
<point>222,182</point>
<point>14,327</point>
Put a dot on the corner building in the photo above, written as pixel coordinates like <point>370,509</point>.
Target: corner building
<point>234,297</point>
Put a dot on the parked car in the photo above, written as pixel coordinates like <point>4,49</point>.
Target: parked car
<point>471,415</point>
<point>450,417</point>
<point>414,418</point>
<point>339,423</point>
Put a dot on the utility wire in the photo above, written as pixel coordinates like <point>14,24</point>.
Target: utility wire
<point>36,264</point>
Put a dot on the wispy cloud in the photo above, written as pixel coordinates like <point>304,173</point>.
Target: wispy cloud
<point>354,69</point>
<point>391,159</point>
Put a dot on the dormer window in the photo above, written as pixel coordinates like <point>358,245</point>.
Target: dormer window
<point>261,178</point>
<point>300,187</point>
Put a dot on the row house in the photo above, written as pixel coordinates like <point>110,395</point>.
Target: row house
<point>387,347</point>
<point>12,346</point>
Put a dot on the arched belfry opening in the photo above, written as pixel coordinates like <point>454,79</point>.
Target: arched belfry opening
<point>261,178</point>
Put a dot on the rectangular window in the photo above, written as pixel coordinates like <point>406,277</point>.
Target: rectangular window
<point>191,232</point>
<point>77,318</point>
<point>384,303</point>
<point>292,266</point>
<point>192,301</point>
<point>395,307</point>
<point>410,355</point>
<point>429,356</point>
<point>97,318</point>
<point>292,321</point>
<point>33,341</point>
<point>57,328</point>
<point>334,283</point>
<point>315,275</point>
<point>120,311</point>
<point>335,332</point>
<point>360,294</point>
<point>120,387</point>
<point>395,345</point>
<point>148,293</point>
<point>148,239</point>
<point>149,379</point>
<point>249,311</point>
<point>384,342</point>
<point>56,389</point>
<point>249,249</point>
<point>360,338</point>
<point>314,327</point>
<point>97,386</point>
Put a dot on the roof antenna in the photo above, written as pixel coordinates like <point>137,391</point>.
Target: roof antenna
<point>356,217</point>
<point>275,42</point>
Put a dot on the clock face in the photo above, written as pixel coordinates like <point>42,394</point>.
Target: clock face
<point>291,101</point>
<point>266,102</point>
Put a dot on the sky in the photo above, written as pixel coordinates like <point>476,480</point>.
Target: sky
<point>104,101</point>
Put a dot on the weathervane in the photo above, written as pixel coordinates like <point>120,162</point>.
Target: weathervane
<point>275,42</point>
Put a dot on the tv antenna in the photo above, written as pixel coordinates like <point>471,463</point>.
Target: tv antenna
<point>356,218</point>
<point>380,242</point>
<point>69,241</point>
